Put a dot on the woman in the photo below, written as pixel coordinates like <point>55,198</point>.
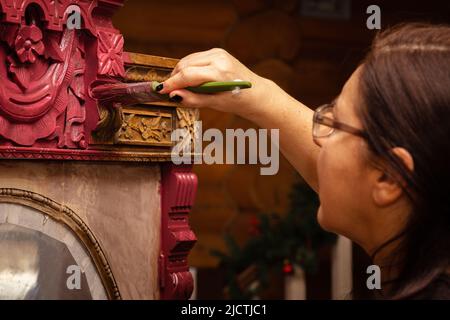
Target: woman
<point>379,154</point>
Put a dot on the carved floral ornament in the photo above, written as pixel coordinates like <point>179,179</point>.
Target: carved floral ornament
<point>43,74</point>
<point>28,44</point>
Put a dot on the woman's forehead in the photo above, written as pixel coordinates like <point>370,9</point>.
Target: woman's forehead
<point>346,102</point>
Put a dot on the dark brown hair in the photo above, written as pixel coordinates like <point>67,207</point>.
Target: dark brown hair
<point>405,92</point>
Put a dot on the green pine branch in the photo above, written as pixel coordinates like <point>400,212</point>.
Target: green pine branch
<point>295,237</point>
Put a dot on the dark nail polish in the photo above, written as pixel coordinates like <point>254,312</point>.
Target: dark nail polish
<point>176,98</point>
<point>159,87</point>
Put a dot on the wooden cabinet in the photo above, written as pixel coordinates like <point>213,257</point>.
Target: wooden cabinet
<point>82,183</point>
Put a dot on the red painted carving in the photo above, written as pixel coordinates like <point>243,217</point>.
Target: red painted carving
<point>179,186</point>
<point>29,44</point>
<point>45,70</point>
<point>110,50</point>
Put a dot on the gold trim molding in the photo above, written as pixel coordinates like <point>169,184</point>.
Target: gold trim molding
<point>146,127</point>
<point>67,216</point>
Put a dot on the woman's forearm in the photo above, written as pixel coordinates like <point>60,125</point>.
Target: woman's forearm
<point>294,120</point>
<point>265,103</point>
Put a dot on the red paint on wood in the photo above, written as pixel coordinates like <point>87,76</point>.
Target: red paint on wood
<point>179,186</point>
<point>45,70</point>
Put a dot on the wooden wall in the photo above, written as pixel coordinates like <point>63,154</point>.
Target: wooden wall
<point>309,57</point>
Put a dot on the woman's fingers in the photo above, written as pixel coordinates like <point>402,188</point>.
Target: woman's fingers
<point>188,77</point>
<point>201,67</point>
<point>197,100</point>
<point>197,59</point>
<point>204,62</point>
<point>203,58</point>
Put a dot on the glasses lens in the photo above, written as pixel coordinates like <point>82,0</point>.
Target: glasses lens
<point>323,121</point>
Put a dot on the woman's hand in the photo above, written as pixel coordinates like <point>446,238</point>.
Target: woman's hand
<point>217,65</point>
<point>265,103</point>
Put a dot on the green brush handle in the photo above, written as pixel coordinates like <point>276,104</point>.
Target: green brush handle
<point>215,86</point>
<point>220,86</point>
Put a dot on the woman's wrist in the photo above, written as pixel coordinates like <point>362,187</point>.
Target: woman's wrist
<point>267,102</point>
<point>259,100</point>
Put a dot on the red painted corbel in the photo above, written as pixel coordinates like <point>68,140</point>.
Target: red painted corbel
<point>178,189</point>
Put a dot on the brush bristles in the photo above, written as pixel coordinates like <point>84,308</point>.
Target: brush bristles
<point>126,93</point>
<point>118,91</point>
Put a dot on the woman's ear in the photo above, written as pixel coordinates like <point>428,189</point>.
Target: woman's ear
<point>387,185</point>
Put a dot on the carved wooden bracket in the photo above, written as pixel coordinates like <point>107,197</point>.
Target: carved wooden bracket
<point>144,127</point>
<point>179,186</point>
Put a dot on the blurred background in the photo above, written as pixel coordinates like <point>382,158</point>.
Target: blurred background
<point>309,47</point>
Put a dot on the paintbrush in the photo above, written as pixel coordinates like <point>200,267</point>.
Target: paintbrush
<point>145,92</point>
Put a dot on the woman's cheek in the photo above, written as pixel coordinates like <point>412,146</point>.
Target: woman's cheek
<point>325,182</point>
<point>335,184</point>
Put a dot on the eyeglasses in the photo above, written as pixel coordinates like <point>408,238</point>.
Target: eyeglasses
<point>324,124</point>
